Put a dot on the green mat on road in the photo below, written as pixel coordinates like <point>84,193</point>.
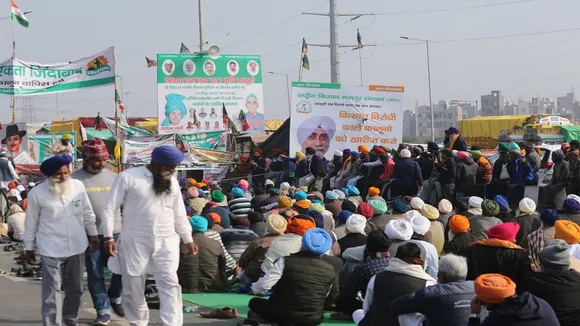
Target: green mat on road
<point>237,301</point>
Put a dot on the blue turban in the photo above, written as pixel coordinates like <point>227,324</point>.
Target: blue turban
<point>316,241</point>
<point>503,204</point>
<point>353,191</point>
<point>454,130</point>
<point>166,154</point>
<point>318,219</point>
<point>300,195</point>
<point>343,216</point>
<point>354,154</point>
<point>183,182</point>
<point>237,192</point>
<point>549,217</point>
<point>52,165</point>
<point>345,153</point>
<point>331,195</point>
<point>200,192</point>
<point>174,103</point>
<point>198,223</point>
<point>188,210</point>
<point>400,206</point>
<point>570,205</point>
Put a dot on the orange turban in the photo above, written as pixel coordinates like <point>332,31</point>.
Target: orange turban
<point>458,223</point>
<point>305,203</point>
<point>363,149</point>
<point>284,202</point>
<point>215,217</point>
<point>568,231</point>
<point>201,184</point>
<point>12,185</point>
<point>299,225</point>
<point>191,182</point>
<point>494,288</point>
<point>374,191</point>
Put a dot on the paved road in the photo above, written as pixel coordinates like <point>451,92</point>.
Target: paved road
<point>21,303</point>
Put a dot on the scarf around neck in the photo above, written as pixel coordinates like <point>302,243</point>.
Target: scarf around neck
<point>398,266</point>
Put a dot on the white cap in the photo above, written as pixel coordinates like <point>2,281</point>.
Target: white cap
<point>405,153</point>
<point>475,201</point>
<point>31,184</point>
<point>338,153</point>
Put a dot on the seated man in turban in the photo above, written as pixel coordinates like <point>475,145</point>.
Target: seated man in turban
<point>498,294</point>
<point>499,254</point>
<point>480,224</point>
<point>460,237</point>
<point>305,285</point>
<point>60,221</point>
<point>556,283</point>
<point>528,220</point>
<point>571,209</point>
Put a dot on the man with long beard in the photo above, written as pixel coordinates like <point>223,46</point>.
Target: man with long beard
<point>154,219</point>
<point>59,217</point>
<point>97,181</point>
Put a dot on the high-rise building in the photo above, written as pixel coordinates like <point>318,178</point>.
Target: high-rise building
<point>445,116</point>
<point>492,104</point>
<point>409,124</point>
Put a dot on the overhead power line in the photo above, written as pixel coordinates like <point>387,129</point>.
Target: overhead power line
<point>452,9</point>
<point>507,36</point>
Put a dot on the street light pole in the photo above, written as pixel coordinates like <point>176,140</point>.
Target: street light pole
<point>288,90</point>
<point>429,82</point>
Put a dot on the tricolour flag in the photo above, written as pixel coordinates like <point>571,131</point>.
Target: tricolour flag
<point>18,16</point>
<point>117,97</point>
<point>151,62</point>
<point>305,62</point>
<point>184,49</point>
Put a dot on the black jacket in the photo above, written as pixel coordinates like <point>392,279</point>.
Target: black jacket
<point>528,224</point>
<point>459,145</point>
<point>485,259</point>
<point>447,171</point>
<point>496,170</point>
<point>407,174</point>
<point>307,284</point>
<point>466,172</point>
<point>561,289</point>
<point>442,304</point>
<point>352,240</point>
<point>522,310</point>
<point>459,245</point>
<point>317,167</point>
<point>426,164</point>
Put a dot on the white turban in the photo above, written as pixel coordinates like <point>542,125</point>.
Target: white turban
<point>15,193</point>
<point>405,153</point>
<point>399,230</point>
<point>417,203</point>
<point>475,201</point>
<point>20,188</point>
<point>410,214</point>
<point>341,194</point>
<point>284,186</point>
<point>356,223</point>
<point>527,206</point>
<point>445,206</point>
<point>338,153</point>
<point>421,224</point>
<point>574,197</point>
<point>308,126</point>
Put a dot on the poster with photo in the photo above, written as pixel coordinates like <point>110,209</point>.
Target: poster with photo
<point>193,89</point>
<point>15,138</point>
<point>328,117</point>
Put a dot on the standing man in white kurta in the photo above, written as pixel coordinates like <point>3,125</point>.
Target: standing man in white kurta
<point>154,219</point>
<point>59,217</point>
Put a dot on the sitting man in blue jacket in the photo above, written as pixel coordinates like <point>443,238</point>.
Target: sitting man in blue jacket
<point>443,304</point>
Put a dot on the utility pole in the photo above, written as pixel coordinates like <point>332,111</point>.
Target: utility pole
<point>334,45</point>
<point>200,26</point>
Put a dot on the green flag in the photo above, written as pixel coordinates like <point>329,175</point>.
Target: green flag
<point>305,62</point>
<point>117,97</point>
<point>18,16</point>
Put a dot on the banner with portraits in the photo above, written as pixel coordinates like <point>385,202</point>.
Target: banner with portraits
<point>41,145</point>
<point>139,152</point>
<point>193,89</point>
<point>329,117</point>
<point>14,138</point>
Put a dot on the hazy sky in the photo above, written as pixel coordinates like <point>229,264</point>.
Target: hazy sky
<point>541,64</point>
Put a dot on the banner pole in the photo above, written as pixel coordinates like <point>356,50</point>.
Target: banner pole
<point>116,107</point>
<point>13,57</point>
<point>301,67</point>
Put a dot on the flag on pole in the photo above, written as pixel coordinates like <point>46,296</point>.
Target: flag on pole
<point>151,62</point>
<point>18,16</point>
<point>359,40</point>
<point>117,97</point>
<point>305,62</point>
<point>184,49</point>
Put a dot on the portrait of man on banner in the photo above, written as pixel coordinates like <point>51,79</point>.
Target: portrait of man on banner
<point>14,139</point>
<point>316,132</point>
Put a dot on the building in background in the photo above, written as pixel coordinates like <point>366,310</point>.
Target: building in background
<point>409,124</point>
<point>510,108</point>
<point>492,104</point>
<point>445,116</point>
<point>470,109</point>
<point>542,105</point>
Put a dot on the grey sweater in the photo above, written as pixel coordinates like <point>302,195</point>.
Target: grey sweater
<point>98,187</point>
<point>480,224</point>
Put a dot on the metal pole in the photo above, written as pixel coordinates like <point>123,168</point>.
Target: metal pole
<point>56,97</point>
<point>200,26</point>
<point>288,90</point>
<point>430,98</point>
<point>360,65</point>
<point>334,61</point>
<point>13,57</point>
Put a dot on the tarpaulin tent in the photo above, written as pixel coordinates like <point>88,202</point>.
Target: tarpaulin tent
<point>279,139</point>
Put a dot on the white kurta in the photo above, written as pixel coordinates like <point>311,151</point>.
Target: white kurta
<point>149,243</point>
